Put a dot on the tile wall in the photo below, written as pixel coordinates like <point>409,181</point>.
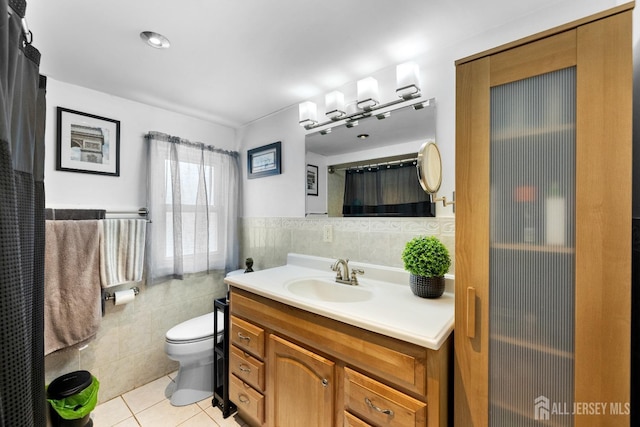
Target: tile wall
<point>128,350</point>
<point>371,240</point>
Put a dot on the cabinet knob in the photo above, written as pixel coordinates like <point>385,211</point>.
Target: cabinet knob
<point>244,337</point>
<point>325,382</point>
<point>374,407</point>
<point>243,398</point>
<point>244,368</point>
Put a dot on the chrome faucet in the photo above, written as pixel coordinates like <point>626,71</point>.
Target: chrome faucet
<point>342,274</point>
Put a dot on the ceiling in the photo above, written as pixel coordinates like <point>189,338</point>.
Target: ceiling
<point>235,61</point>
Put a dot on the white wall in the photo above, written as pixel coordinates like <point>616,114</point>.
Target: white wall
<point>128,191</point>
<point>286,197</point>
<point>128,350</point>
<point>276,195</point>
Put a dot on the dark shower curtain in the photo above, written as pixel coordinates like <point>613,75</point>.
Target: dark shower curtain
<point>385,190</point>
<point>22,120</point>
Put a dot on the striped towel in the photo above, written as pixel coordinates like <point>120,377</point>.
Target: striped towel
<point>122,244</point>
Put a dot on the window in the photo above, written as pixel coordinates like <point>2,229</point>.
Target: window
<point>193,197</point>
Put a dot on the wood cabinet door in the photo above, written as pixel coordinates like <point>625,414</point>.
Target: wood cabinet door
<point>590,352</point>
<point>301,386</point>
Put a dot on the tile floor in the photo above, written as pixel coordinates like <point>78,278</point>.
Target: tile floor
<point>148,406</point>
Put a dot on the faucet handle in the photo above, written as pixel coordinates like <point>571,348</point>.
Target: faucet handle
<point>354,273</point>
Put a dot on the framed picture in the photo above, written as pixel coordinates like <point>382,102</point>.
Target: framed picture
<point>264,161</point>
<point>87,143</point>
<point>312,180</point>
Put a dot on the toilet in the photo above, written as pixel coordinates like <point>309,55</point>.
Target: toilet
<point>191,344</point>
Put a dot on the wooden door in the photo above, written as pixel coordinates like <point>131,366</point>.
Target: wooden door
<point>302,386</point>
<point>598,50</point>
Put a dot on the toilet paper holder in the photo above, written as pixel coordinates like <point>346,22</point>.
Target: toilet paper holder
<point>112,296</point>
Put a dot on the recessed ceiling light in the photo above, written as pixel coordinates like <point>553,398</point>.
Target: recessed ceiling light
<point>363,136</point>
<point>155,40</point>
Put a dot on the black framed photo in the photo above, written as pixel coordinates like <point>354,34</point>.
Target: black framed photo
<point>264,161</point>
<point>312,180</point>
<point>87,143</point>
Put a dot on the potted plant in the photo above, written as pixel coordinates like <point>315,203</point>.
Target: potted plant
<point>427,259</point>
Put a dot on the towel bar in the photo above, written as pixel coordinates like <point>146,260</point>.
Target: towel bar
<point>143,212</point>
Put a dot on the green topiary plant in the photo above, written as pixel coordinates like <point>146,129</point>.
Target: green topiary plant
<point>426,256</point>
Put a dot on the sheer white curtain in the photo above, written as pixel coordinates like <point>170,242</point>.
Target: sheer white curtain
<point>193,203</point>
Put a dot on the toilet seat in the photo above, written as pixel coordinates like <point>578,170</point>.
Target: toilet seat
<point>196,330</point>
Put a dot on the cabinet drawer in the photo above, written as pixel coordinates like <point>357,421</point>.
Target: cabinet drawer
<point>380,404</point>
<point>400,363</point>
<point>351,420</point>
<point>250,403</point>
<point>247,336</point>
<point>247,368</point>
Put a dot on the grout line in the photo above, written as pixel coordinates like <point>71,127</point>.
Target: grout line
<point>238,422</point>
<point>127,405</point>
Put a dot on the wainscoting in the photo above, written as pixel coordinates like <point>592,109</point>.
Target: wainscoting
<point>128,350</point>
<point>370,240</point>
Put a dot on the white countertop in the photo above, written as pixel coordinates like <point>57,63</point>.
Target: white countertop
<point>392,310</point>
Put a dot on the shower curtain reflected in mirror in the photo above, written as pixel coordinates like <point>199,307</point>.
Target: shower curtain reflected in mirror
<point>385,190</point>
<point>22,120</point>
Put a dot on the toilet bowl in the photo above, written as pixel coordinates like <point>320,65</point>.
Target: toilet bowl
<point>191,344</point>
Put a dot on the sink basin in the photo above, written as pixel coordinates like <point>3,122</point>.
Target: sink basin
<point>327,290</point>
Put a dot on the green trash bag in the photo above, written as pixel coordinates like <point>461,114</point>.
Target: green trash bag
<point>73,396</point>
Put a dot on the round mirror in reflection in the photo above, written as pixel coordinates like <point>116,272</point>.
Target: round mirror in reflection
<point>429,167</point>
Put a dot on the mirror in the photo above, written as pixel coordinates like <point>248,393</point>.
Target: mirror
<point>402,131</point>
<point>411,123</point>
<point>429,167</point>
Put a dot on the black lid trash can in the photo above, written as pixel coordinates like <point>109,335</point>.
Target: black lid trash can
<point>72,397</point>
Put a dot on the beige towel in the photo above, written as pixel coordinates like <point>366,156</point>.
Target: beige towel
<point>72,309</point>
<point>122,244</point>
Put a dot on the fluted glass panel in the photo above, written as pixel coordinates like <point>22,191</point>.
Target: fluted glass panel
<point>532,262</point>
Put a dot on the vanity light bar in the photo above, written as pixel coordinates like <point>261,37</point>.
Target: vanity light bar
<point>368,93</point>
<point>408,80</point>
<point>308,114</point>
<point>351,120</point>
<point>335,105</point>
<point>408,87</point>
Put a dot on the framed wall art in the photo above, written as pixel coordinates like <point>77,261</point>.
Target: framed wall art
<point>87,143</point>
<point>312,180</point>
<point>264,161</point>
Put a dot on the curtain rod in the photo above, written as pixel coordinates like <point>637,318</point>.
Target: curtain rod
<point>372,165</point>
<point>177,140</point>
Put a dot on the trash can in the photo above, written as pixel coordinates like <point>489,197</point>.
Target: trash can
<point>71,398</point>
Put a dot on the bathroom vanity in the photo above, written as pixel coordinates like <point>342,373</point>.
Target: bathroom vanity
<point>309,351</point>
